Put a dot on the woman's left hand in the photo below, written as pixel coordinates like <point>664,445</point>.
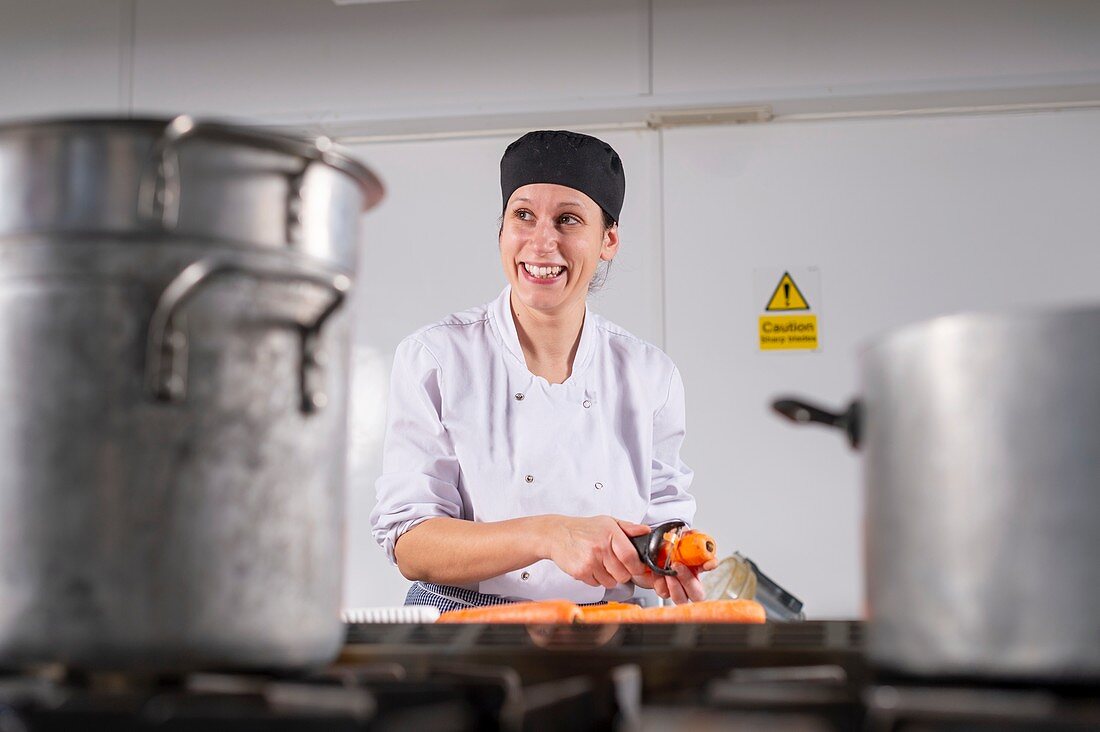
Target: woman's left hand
<point>684,586</point>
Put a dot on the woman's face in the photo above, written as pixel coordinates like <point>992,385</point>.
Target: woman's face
<point>551,241</point>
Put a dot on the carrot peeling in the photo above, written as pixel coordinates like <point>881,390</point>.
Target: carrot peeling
<point>692,549</point>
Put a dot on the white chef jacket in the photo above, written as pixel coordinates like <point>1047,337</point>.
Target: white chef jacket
<point>472,434</point>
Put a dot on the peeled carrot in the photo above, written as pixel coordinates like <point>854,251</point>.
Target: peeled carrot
<point>545,611</point>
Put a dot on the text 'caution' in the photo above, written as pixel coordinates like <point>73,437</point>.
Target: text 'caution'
<point>788,332</point>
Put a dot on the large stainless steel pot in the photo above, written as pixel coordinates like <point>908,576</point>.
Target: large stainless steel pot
<point>981,436</point>
<point>173,366</point>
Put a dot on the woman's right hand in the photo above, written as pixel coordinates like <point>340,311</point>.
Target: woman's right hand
<point>595,550</point>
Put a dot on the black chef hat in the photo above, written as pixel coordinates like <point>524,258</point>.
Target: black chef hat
<point>570,159</point>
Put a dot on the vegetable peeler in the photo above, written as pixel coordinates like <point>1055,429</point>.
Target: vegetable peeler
<point>649,545</point>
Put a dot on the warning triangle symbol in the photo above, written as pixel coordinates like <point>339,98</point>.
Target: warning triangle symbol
<point>787,296</point>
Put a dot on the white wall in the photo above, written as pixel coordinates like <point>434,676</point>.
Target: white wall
<point>445,65</point>
<point>907,219</point>
<point>62,57</point>
<point>264,57</point>
<point>906,215</point>
<point>805,47</point>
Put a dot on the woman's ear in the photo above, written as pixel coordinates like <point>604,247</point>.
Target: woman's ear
<point>610,245</point>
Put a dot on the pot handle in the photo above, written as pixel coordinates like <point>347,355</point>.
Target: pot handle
<point>159,186</point>
<point>166,355</point>
<point>800,411</point>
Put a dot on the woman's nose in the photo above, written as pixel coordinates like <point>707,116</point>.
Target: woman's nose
<point>546,236</point>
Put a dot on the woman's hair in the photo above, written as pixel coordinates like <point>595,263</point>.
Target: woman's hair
<point>599,278</point>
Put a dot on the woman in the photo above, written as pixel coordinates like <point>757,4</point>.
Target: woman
<point>528,439</point>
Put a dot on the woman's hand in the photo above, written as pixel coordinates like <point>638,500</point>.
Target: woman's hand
<point>685,586</point>
<point>596,550</point>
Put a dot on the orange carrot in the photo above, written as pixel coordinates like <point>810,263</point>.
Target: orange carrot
<point>563,611</point>
<point>707,611</point>
<point>612,612</point>
<point>692,549</point>
<point>545,611</point>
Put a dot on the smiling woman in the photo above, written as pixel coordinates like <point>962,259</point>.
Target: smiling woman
<point>551,242</point>
<point>528,439</point>
<point>598,277</point>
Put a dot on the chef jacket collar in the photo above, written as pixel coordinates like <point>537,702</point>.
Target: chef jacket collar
<point>500,314</point>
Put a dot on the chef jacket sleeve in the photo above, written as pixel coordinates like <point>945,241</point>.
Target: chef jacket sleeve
<point>670,478</point>
<point>420,471</point>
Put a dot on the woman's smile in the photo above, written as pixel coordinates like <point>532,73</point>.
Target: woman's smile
<point>541,273</point>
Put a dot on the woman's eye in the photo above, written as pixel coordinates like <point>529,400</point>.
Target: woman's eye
<point>523,215</point>
<point>569,219</point>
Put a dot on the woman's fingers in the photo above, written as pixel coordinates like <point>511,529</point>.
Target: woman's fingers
<point>622,561</point>
<point>660,586</point>
<point>676,590</point>
<point>625,552</point>
<point>603,577</point>
<point>685,586</point>
<point>616,569</point>
<point>689,583</point>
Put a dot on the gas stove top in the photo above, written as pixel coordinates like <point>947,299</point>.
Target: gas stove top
<point>798,676</point>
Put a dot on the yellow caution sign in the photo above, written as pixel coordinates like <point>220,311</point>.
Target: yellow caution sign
<point>788,332</point>
<point>790,318</point>
<point>787,296</point>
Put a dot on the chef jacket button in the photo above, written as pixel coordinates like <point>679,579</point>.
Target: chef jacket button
<point>599,485</point>
<point>519,396</point>
<point>586,404</point>
<point>525,576</point>
<point>530,478</point>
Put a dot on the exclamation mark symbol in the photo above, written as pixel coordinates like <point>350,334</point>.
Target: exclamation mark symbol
<point>787,292</point>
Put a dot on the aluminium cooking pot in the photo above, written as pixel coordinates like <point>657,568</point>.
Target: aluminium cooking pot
<point>173,370</point>
<point>981,471</point>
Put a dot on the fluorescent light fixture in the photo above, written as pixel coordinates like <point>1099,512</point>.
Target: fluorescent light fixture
<point>709,116</point>
<point>366,2</point>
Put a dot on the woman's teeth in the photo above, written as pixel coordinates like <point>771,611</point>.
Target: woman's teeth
<point>542,272</point>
